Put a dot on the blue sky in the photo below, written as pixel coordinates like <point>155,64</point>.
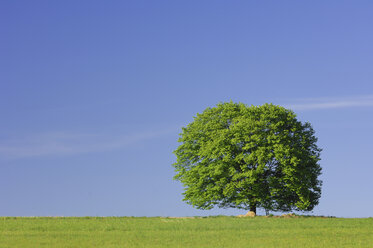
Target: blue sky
<point>93,95</point>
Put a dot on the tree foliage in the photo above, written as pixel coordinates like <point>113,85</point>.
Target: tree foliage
<point>240,156</point>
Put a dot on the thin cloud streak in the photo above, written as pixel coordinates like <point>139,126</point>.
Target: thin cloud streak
<point>65,144</point>
<point>332,103</point>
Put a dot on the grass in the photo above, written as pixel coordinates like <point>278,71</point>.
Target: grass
<point>221,231</point>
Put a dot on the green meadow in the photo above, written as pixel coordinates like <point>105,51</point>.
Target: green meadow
<point>220,231</point>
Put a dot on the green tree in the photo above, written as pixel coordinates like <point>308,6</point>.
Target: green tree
<point>249,157</point>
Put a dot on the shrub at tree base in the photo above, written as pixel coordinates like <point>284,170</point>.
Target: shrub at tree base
<point>248,214</point>
<point>240,156</point>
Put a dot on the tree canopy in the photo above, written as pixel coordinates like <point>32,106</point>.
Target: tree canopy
<point>240,156</point>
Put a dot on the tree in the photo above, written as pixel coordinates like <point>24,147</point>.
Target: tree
<point>249,157</point>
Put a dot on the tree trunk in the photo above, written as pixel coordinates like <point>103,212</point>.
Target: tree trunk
<point>253,207</point>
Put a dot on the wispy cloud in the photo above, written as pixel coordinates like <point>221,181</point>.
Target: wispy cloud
<point>332,103</point>
<point>65,143</point>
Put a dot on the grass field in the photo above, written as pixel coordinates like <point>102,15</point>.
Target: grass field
<point>184,232</point>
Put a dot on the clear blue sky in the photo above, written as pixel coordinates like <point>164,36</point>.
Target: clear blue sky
<point>93,95</point>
